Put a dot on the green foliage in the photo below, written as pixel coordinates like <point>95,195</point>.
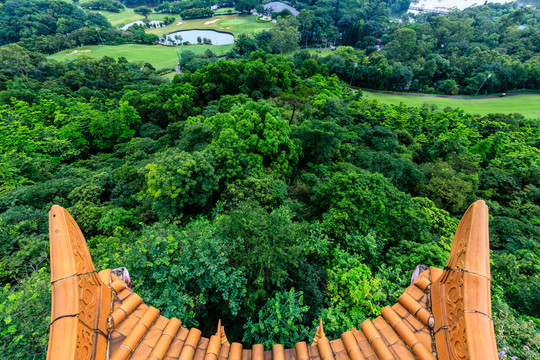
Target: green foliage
<point>24,317</point>
<point>353,294</point>
<point>196,13</point>
<point>516,274</point>
<point>118,126</point>
<point>23,241</point>
<point>360,201</point>
<point>222,202</point>
<point>107,5</point>
<point>265,190</point>
<point>279,321</point>
<point>271,247</point>
<point>188,264</point>
<point>252,137</point>
<point>143,10</point>
<point>320,139</point>
<point>177,179</point>
<point>515,335</point>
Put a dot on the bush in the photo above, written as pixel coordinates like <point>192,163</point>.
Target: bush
<point>196,13</point>
<point>279,321</point>
<point>260,19</point>
<point>107,5</point>
<point>24,317</point>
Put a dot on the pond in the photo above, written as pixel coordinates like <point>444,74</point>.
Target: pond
<point>180,37</point>
<point>156,23</point>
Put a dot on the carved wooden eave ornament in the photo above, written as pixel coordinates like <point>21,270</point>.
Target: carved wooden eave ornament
<point>445,314</point>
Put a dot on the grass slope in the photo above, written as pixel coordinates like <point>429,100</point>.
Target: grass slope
<point>121,18</point>
<point>235,24</point>
<point>161,57</point>
<point>528,105</point>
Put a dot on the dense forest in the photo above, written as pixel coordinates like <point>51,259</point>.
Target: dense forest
<point>450,54</point>
<point>428,53</point>
<point>260,188</point>
<point>255,191</point>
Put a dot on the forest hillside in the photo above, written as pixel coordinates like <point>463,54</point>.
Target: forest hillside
<point>260,188</point>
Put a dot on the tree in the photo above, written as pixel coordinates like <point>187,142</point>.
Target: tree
<point>284,39</point>
<point>180,181</point>
<point>353,294</point>
<point>270,247</point>
<point>119,125</point>
<point>279,321</point>
<point>357,200</point>
<point>189,264</point>
<point>17,61</point>
<point>245,44</point>
<point>320,139</point>
<point>143,10</point>
<point>258,131</point>
<point>449,87</point>
<point>403,44</point>
<point>245,5</point>
<point>305,18</point>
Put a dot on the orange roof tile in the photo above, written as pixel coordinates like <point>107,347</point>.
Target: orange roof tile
<point>445,314</point>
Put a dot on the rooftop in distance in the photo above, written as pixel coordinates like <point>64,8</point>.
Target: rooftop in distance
<point>279,6</point>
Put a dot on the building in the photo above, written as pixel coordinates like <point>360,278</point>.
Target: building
<point>278,7</point>
<point>444,314</point>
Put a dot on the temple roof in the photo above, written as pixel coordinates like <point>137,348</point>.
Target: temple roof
<point>444,314</point>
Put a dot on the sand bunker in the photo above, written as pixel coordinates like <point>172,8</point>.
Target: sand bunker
<point>179,23</point>
<point>78,51</point>
<point>211,21</point>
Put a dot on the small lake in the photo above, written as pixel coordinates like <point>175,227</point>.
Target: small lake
<point>216,37</point>
<point>156,23</point>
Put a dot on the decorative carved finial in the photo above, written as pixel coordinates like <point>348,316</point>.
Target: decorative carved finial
<point>321,329</point>
<point>461,298</point>
<point>221,333</point>
<point>80,300</point>
<point>319,334</point>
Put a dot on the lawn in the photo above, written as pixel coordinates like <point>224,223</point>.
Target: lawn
<point>161,57</point>
<point>528,105</point>
<point>224,10</point>
<point>121,18</point>
<point>235,24</point>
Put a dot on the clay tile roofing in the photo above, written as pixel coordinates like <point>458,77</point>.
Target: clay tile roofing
<point>444,314</point>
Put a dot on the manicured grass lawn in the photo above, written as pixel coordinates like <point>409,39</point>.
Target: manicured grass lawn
<point>161,57</point>
<point>224,10</point>
<point>169,76</point>
<point>161,16</point>
<point>121,18</point>
<point>235,24</point>
<point>322,52</point>
<point>528,105</point>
